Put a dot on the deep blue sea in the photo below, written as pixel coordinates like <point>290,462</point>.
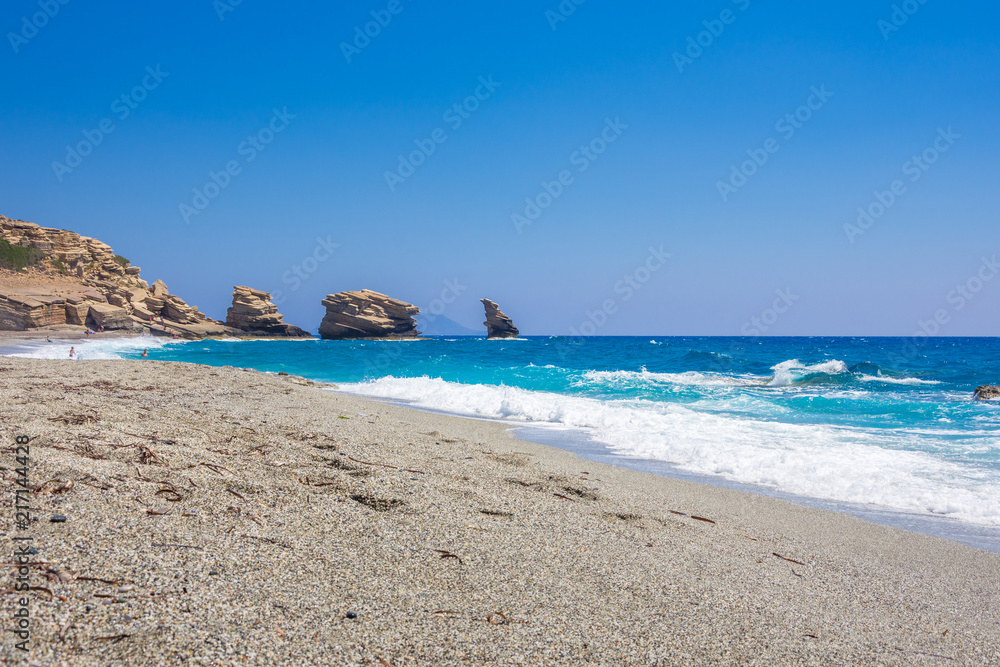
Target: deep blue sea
<point>886,422</point>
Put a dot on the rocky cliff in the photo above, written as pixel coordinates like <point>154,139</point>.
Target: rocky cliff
<point>367,314</point>
<point>54,277</point>
<point>497,324</point>
<point>252,312</point>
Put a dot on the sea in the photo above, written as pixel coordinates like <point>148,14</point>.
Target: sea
<point>883,428</point>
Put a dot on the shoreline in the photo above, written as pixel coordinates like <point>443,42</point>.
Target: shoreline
<point>980,536</point>
<point>233,516</point>
<point>579,443</point>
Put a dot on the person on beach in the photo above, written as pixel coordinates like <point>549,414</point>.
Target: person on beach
<point>145,353</point>
<point>48,339</point>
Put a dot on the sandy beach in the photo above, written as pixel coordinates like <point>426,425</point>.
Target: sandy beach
<point>226,516</point>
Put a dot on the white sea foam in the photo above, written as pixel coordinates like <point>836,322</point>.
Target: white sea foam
<point>94,348</point>
<point>892,380</point>
<point>791,371</point>
<point>627,379</point>
<point>844,464</point>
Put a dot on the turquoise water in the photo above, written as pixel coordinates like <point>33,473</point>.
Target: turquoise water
<point>881,421</point>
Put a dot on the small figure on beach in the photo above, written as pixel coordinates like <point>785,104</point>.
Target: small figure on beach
<point>72,352</point>
<point>145,353</point>
<point>48,339</point>
<point>101,329</point>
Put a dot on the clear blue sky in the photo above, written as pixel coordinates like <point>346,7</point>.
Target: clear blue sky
<point>679,124</point>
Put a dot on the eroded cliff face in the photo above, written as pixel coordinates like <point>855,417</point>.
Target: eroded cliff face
<point>79,281</point>
<point>497,324</point>
<point>987,392</point>
<point>252,312</point>
<point>367,314</point>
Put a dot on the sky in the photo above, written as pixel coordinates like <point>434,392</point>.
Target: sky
<point>734,167</point>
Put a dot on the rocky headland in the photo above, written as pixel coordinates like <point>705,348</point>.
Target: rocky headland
<point>55,278</point>
<point>252,312</point>
<point>367,314</point>
<point>497,324</point>
<point>60,281</point>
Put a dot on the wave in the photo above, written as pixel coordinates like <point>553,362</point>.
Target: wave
<point>867,371</point>
<point>895,380</point>
<point>644,378</point>
<point>787,373</point>
<point>97,348</point>
<point>822,461</point>
<point>794,372</point>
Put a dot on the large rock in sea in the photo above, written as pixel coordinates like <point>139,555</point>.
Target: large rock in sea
<point>497,324</point>
<point>986,392</point>
<point>367,314</point>
<point>252,312</point>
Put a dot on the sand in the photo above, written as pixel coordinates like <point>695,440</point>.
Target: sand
<point>225,516</point>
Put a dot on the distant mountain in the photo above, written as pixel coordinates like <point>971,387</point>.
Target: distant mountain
<point>439,325</point>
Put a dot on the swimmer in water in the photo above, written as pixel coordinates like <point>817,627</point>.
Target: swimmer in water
<point>72,352</point>
<point>145,353</point>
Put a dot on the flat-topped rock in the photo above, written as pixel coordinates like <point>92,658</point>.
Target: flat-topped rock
<point>252,312</point>
<point>108,316</point>
<point>367,314</point>
<point>497,324</point>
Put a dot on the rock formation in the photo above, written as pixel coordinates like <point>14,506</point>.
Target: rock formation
<point>79,281</point>
<point>497,324</point>
<point>367,314</point>
<point>986,392</point>
<point>252,312</point>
